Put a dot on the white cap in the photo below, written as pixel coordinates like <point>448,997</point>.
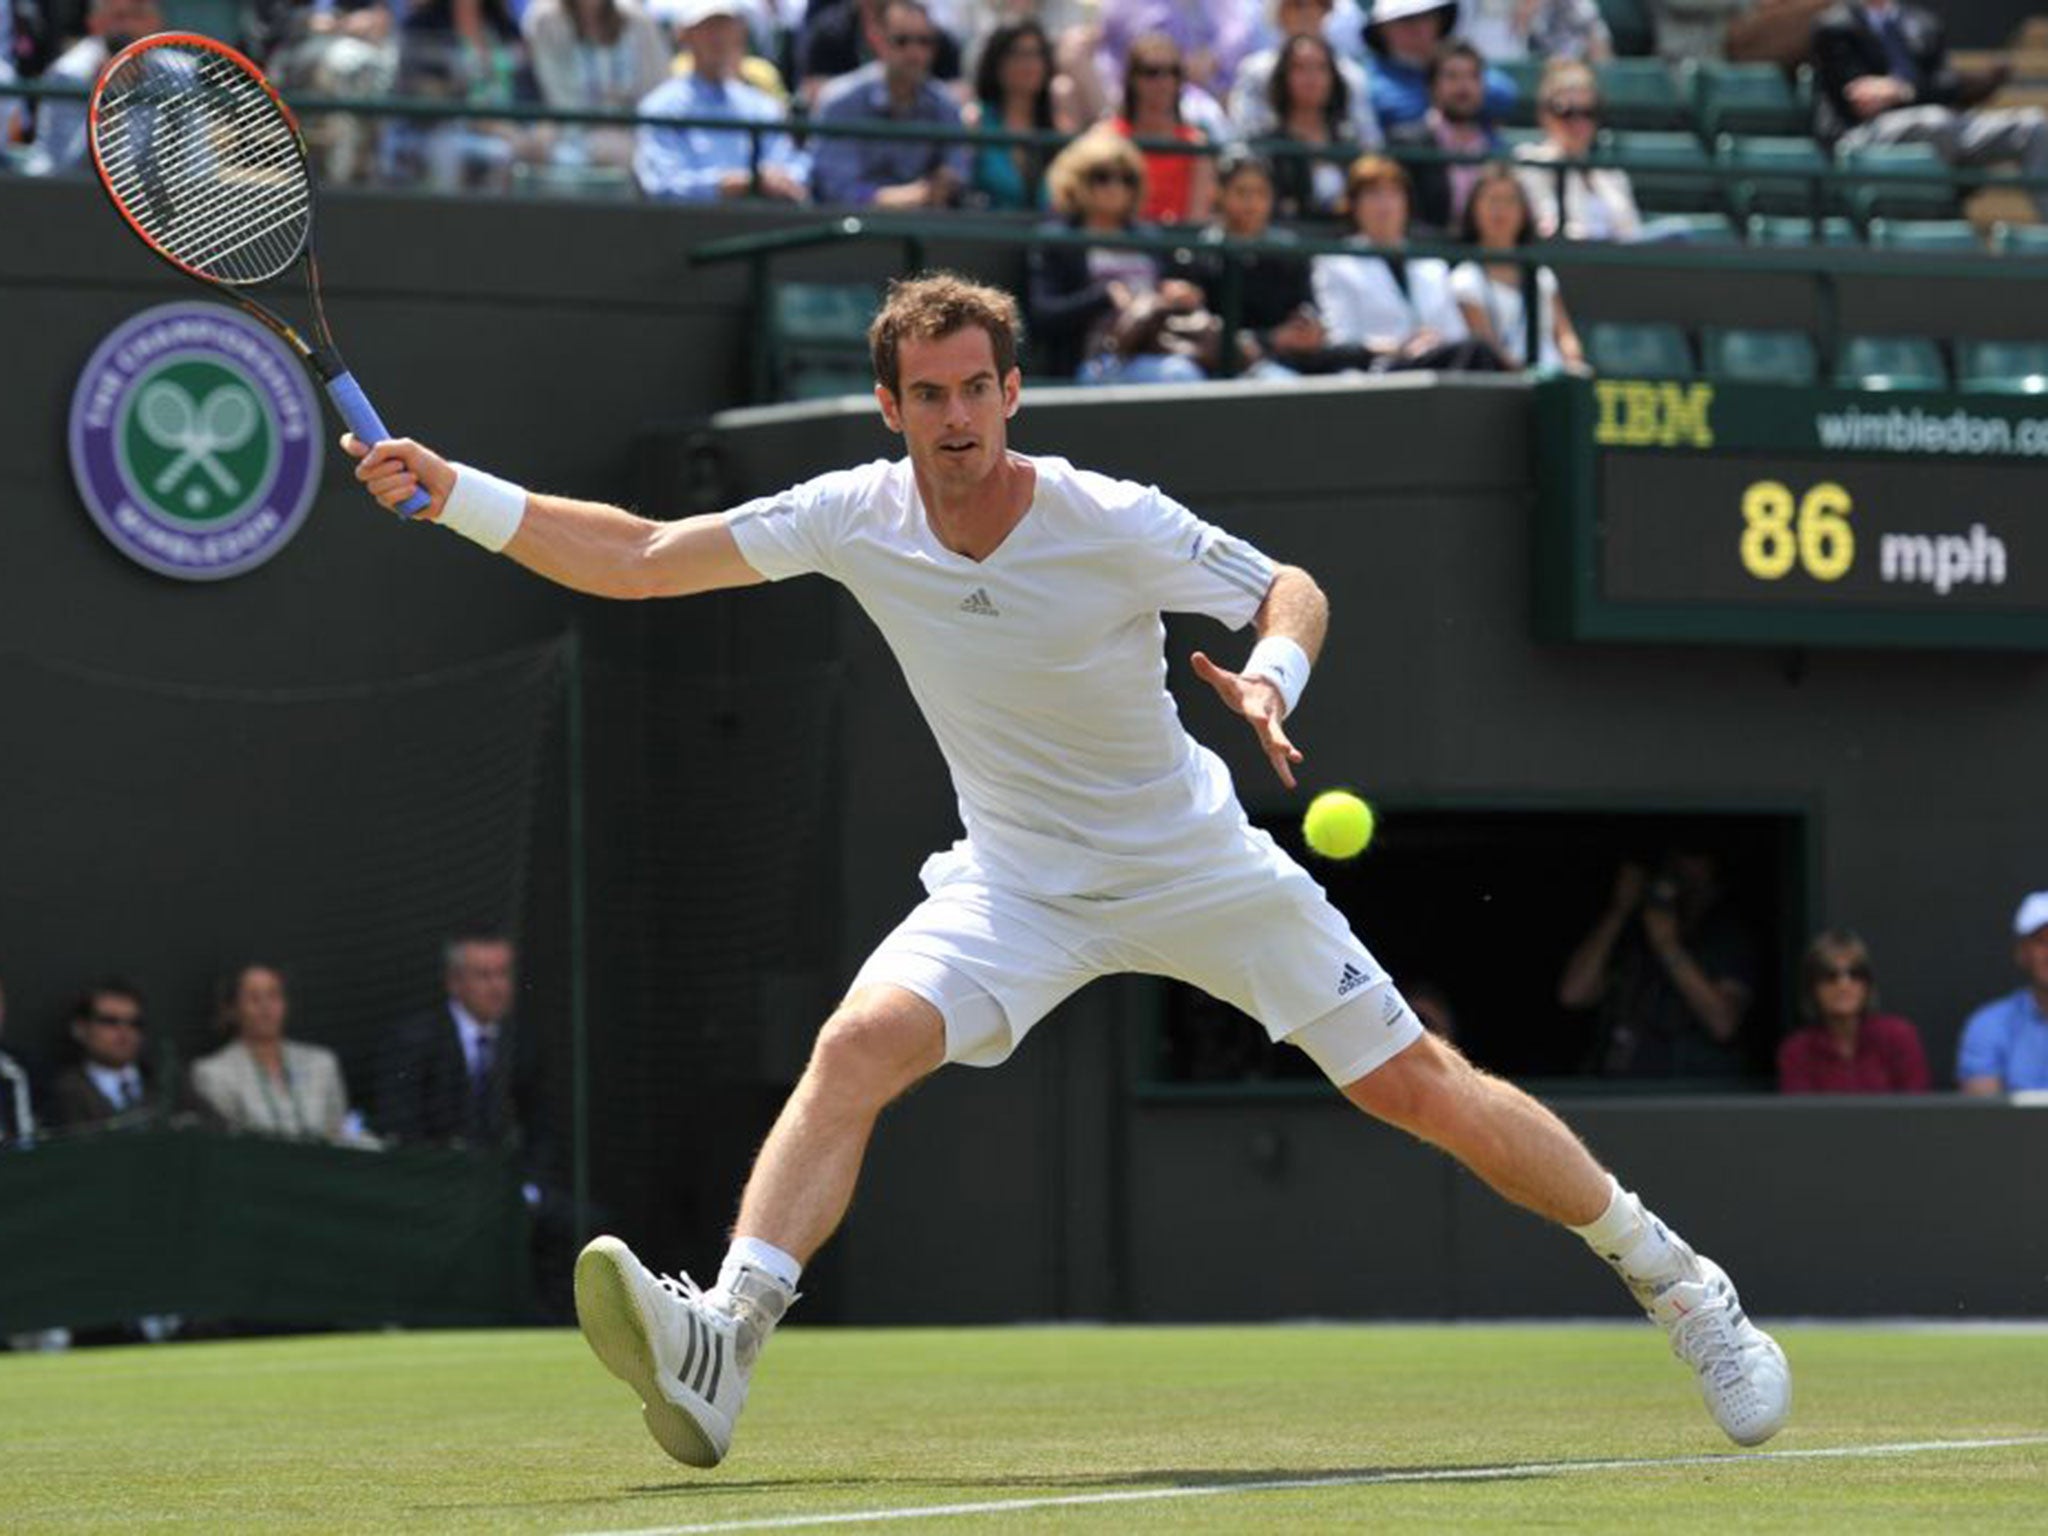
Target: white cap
<point>683,14</point>
<point>1396,10</point>
<point>2033,913</point>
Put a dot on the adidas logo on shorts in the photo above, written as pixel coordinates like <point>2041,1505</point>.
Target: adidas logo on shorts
<point>1352,979</point>
<point>977,602</point>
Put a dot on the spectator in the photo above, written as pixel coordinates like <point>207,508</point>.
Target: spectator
<point>1670,969</point>
<point>111,1085</point>
<point>1180,187</point>
<point>846,36</point>
<point>458,50</point>
<point>891,173</point>
<point>1399,309</point>
<point>110,26</point>
<point>17,1109</point>
<point>676,18</point>
<point>260,1081</point>
<point>594,56</point>
<point>1312,108</point>
<point>1543,29</point>
<point>1690,30</point>
<point>1582,204</point>
<point>1846,1047</point>
<point>1209,39</point>
<point>1013,93</point>
<point>1251,102</point>
<point>1456,122</point>
<point>1490,293</point>
<point>1103,314</point>
<point>705,164</point>
<point>1882,76</point>
<point>1404,36</point>
<point>340,48</point>
<point>461,1073</point>
<point>2004,1048</point>
<point>1279,333</point>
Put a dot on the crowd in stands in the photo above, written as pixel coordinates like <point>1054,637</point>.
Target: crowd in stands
<point>729,91</point>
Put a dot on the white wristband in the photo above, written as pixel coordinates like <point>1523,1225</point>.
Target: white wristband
<point>1283,664</point>
<point>483,508</point>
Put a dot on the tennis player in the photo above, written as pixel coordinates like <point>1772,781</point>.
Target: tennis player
<point>1022,597</point>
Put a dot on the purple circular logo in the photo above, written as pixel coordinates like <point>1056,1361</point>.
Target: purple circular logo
<point>193,441</point>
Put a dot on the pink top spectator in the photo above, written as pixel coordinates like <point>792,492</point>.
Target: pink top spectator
<point>1887,1059</point>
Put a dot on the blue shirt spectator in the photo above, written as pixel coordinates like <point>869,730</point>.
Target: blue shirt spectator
<point>2004,1048</point>
<point>892,172</point>
<point>704,164</point>
<point>1404,36</point>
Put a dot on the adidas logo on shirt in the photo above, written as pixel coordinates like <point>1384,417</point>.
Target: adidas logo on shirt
<point>1352,979</point>
<point>977,602</point>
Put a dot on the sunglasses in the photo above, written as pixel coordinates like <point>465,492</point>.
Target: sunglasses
<point>1156,71</point>
<point>913,40</point>
<point>116,1020</point>
<point>1572,112</point>
<point>1108,175</point>
<point>1845,973</point>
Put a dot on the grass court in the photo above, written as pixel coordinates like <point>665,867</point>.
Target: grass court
<point>1300,1428</point>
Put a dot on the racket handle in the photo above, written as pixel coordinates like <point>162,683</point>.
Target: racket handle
<point>368,426</point>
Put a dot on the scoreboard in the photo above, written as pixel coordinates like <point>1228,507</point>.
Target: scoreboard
<point>1768,515</point>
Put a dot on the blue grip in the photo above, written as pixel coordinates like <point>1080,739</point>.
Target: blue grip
<point>368,426</point>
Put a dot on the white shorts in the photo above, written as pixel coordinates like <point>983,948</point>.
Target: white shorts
<point>1253,930</point>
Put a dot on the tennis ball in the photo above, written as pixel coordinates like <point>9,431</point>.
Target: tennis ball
<point>1338,824</point>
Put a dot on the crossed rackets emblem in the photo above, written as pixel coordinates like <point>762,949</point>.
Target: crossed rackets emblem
<point>200,431</point>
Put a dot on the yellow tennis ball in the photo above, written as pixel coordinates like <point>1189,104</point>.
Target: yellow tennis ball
<point>1338,824</point>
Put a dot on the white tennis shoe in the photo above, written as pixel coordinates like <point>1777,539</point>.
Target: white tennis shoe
<point>689,1357</point>
<point>1742,1372</point>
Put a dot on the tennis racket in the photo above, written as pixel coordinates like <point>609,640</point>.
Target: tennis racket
<point>209,169</point>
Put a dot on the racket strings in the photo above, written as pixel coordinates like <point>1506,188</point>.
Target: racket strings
<point>204,162</point>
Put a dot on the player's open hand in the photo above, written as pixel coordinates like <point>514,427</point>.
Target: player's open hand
<point>1259,702</point>
<point>392,471</point>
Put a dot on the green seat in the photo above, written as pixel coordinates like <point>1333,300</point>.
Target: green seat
<point>1891,362</point>
<point>1779,192</point>
<point>2003,367</point>
<point>1796,229</point>
<point>1526,72</point>
<point>1513,138</point>
<point>2020,240</point>
<point>818,338</point>
<point>1630,24</point>
<point>1641,93</point>
<point>1760,357</point>
<point>1692,229</point>
<point>1670,172</point>
<point>1745,98</point>
<point>1906,196</point>
<point>1645,350</point>
<point>1938,236</point>
<point>217,19</point>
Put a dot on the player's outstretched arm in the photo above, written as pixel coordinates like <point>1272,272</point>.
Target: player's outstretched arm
<point>585,545</point>
<point>1291,624</point>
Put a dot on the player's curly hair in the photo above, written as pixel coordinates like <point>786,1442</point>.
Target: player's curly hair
<point>932,306</point>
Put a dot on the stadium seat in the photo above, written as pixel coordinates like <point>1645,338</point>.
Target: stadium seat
<point>1647,350</point>
<point>1513,138</point>
<point>817,337</point>
<point>1934,236</point>
<point>221,19</point>
<point>1760,357</point>
<point>1641,93</point>
<point>1670,172</point>
<point>1691,229</point>
<point>1778,193</point>
<point>1526,72</point>
<point>2020,240</point>
<point>1797,229</point>
<point>1891,362</point>
<point>1745,98</point>
<point>2003,367</point>
<point>1901,199</point>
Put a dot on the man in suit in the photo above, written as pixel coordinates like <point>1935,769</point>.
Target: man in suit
<point>110,1085</point>
<point>458,1073</point>
<point>1884,77</point>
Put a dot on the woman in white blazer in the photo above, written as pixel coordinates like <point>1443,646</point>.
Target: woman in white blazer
<point>262,1081</point>
<point>1402,310</point>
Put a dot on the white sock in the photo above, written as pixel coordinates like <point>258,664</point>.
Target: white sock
<point>1631,1238</point>
<point>752,1253</point>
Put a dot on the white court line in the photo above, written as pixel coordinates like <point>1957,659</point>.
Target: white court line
<point>1349,1480</point>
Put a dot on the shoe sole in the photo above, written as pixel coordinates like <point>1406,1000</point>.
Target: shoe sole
<point>617,1333</point>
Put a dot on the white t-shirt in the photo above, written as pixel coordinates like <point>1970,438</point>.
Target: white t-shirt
<point>1502,305</point>
<point>1042,669</point>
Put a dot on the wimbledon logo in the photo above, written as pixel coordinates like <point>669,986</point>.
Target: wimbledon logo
<point>193,441</point>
